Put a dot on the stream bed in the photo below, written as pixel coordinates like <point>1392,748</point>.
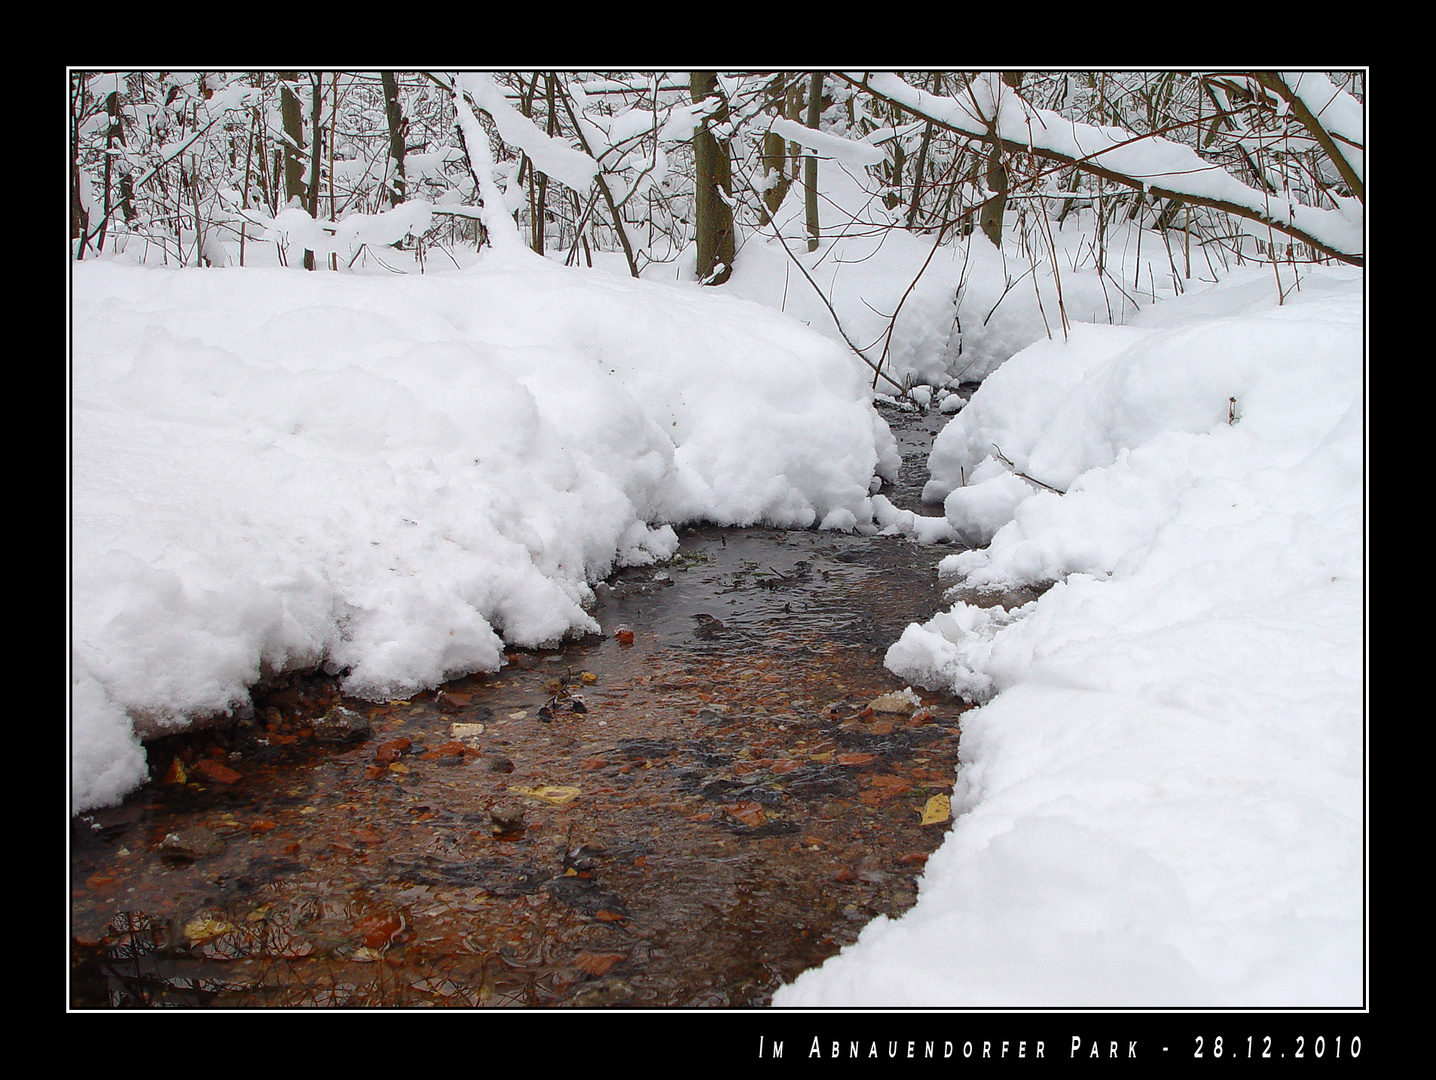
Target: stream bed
<point>688,810</point>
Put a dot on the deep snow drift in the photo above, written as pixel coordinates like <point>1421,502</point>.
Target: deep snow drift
<point>273,469</point>
<point>1162,800</point>
<point>1162,796</point>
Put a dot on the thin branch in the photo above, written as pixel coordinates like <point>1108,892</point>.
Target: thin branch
<point>1016,472</point>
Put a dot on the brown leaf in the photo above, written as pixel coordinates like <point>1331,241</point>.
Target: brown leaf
<point>597,964</point>
<point>448,701</point>
<point>749,813</point>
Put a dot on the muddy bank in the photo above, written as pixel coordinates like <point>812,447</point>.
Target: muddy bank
<point>687,811</point>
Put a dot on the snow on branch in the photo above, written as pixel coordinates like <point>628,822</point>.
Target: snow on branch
<point>845,150</point>
<point>1165,168</point>
<point>502,232</point>
<point>552,156</point>
<point>1331,116</point>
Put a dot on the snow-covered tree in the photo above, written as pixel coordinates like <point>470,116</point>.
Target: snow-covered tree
<point>200,167</point>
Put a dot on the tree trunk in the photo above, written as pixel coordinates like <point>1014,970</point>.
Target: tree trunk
<point>935,86</point>
<point>396,190</point>
<point>293,121</point>
<point>775,173</point>
<point>810,162</point>
<point>316,102</point>
<point>114,138</point>
<point>538,190</point>
<point>79,217</point>
<point>713,180</point>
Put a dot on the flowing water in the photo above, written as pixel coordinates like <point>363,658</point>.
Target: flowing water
<point>688,810</point>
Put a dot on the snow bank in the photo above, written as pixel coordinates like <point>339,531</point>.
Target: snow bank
<point>395,476</point>
<point>1161,800</point>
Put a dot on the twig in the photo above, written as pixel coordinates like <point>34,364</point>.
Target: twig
<point>1016,472</point>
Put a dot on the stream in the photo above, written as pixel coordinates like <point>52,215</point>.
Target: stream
<point>688,810</point>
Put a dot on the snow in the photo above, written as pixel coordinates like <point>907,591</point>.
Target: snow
<point>1161,801</point>
<point>273,468</point>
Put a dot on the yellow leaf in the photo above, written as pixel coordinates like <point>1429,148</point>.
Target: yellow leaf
<point>202,929</point>
<point>938,808</point>
<point>550,793</point>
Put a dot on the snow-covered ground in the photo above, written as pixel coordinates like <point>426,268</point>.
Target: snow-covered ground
<point>1162,798</point>
<point>1161,801</point>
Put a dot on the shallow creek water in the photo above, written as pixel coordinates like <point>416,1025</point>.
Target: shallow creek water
<point>687,817</point>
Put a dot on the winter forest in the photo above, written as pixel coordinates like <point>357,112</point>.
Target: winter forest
<point>391,376</point>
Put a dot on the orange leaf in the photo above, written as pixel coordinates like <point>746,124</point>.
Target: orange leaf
<point>391,751</point>
<point>220,774</point>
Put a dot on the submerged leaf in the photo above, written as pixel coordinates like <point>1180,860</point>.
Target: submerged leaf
<point>554,794</point>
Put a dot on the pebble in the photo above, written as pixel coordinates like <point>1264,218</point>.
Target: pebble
<point>195,842</point>
<point>341,725</point>
<point>506,818</point>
